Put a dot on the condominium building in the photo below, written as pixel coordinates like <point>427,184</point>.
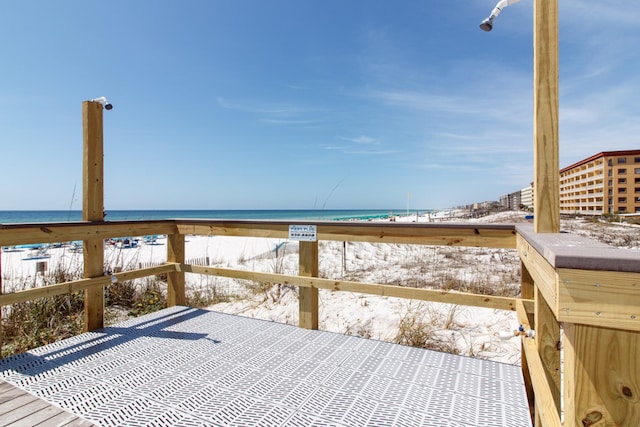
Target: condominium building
<point>526,196</point>
<point>511,201</point>
<point>608,182</point>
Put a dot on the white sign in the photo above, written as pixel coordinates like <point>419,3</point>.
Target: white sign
<point>305,233</point>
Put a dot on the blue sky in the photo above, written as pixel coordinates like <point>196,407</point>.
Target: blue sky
<point>288,104</point>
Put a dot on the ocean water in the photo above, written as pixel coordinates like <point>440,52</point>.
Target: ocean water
<point>13,217</point>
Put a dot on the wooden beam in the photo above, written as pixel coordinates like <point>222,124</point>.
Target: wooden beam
<point>600,298</point>
<point>93,210</point>
<point>545,400</point>
<point>548,343</point>
<point>21,234</point>
<point>527,288</point>
<point>526,318</point>
<point>175,279</point>
<point>93,162</point>
<point>545,116</point>
<point>442,234</point>
<point>543,274</point>
<point>1,322</point>
<point>93,252</point>
<point>460,298</point>
<point>81,284</point>
<point>308,299</point>
<point>601,376</point>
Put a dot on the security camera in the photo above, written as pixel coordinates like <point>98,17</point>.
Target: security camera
<point>102,100</point>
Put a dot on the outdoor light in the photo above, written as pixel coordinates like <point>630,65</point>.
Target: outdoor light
<point>487,24</point>
<point>103,100</point>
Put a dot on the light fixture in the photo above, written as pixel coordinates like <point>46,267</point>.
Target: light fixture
<point>103,100</point>
<point>487,24</point>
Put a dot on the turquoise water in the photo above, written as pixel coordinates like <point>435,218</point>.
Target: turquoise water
<point>12,217</point>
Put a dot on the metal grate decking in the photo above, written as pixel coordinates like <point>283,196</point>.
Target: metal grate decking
<point>191,367</point>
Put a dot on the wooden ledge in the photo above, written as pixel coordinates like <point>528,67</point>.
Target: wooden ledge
<point>565,250</point>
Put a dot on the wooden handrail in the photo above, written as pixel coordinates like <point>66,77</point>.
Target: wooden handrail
<point>22,234</point>
<point>447,297</point>
<point>445,234</point>
<point>81,284</point>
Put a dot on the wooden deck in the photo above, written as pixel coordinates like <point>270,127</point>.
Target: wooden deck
<point>19,408</point>
<point>189,367</point>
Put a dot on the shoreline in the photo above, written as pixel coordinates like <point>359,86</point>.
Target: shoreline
<point>45,216</point>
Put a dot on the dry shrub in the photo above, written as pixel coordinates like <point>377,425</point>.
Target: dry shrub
<point>423,326</point>
<point>359,328</point>
<point>39,322</point>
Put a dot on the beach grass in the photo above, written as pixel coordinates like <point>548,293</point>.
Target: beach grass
<point>32,324</point>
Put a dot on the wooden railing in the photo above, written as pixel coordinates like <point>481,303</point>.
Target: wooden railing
<point>598,306</point>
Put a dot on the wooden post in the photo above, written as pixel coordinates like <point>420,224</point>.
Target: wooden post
<point>545,117</point>
<point>93,209</point>
<point>308,266</point>
<point>1,328</point>
<point>175,279</point>
<point>601,376</point>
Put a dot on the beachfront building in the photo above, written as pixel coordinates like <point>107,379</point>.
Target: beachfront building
<point>526,197</point>
<point>511,201</point>
<point>486,205</point>
<point>605,183</point>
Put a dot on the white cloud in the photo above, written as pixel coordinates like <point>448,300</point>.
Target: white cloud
<point>362,139</point>
<point>273,113</point>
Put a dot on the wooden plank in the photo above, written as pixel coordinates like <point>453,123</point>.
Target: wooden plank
<point>175,279</point>
<point>92,162</point>
<point>9,392</point>
<point>542,273</point>
<point>599,298</point>
<point>523,314</point>
<point>527,287</point>
<point>93,252</point>
<point>308,296</point>
<point>20,408</point>
<point>526,320</point>
<point>460,298</point>
<point>467,234</point>
<point>4,387</point>
<point>81,285</point>
<point>17,401</point>
<point>601,376</point>
<point>464,234</point>
<point>548,342</point>
<point>425,234</point>
<point>19,234</point>
<point>93,209</point>
<point>25,412</point>
<point>234,228</point>
<point>41,417</point>
<point>1,322</point>
<point>51,290</point>
<point>545,403</point>
<point>545,117</point>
